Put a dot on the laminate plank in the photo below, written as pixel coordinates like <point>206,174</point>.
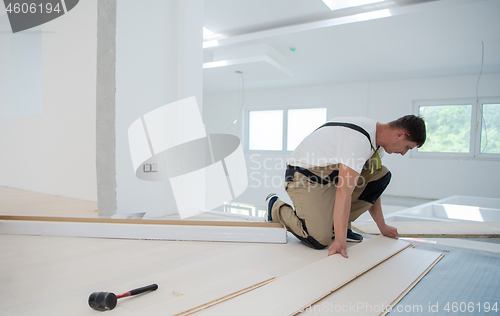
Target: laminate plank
<point>41,275</point>
<point>199,279</point>
<point>408,289</point>
<point>297,290</point>
<point>140,221</point>
<point>197,288</point>
<point>223,298</point>
<point>428,229</point>
<point>378,290</point>
<point>199,232</point>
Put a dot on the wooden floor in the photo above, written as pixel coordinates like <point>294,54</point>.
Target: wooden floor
<point>42,275</point>
<point>21,202</point>
<point>25,203</point>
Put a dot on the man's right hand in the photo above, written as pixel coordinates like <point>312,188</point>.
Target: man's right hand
<point>338,247</point>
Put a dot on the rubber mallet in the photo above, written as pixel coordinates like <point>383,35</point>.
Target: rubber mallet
<point>103,301</point>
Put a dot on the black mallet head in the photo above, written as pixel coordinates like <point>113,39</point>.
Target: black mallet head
<point>103,301</point>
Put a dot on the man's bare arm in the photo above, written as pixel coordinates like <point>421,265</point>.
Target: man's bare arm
<point>378,217</point>
<point>346,183</point>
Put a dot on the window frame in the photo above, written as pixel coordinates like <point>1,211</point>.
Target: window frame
<point>477,149</point>
<point>476,122</point>
<point>246,125</point>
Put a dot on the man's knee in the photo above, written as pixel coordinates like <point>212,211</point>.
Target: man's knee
<point>321,239</point>
<point>314,243</point>
<point>316,238</point>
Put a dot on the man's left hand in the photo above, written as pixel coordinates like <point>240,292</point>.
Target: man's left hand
<point>389,231</point>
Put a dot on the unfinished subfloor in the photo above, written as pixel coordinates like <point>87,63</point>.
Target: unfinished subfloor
<point>42,275</point>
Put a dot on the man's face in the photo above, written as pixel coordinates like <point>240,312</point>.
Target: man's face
<point>399,144</point>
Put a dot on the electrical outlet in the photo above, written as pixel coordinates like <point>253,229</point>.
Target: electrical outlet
<point>153,167</point>
<point>146,167</point>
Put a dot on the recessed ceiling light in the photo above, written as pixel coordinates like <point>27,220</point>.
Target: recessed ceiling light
<point>341,4</point>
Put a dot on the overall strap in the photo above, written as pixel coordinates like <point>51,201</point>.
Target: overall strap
<point>348,125</point>
<point>362,131</point>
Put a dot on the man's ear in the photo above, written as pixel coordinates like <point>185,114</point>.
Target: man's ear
<point>400,133</point>
<point>396,134</point>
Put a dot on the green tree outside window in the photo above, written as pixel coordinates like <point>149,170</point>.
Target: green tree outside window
<point>448,128</point>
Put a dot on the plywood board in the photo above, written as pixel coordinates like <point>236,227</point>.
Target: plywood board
<point>378,290</point>
<point>297,290</point>
<point>429,229</point>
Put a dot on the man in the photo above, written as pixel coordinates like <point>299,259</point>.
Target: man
<point>335,175</point>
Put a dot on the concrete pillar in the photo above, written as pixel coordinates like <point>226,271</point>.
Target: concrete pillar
<point>105,112</point>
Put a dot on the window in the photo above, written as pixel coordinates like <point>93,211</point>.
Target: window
<point>265,130</point>
<point>490,130</point>
<point>302,122</point>
<point>460,128</point>
<point>282,130</point>
<point>448,128</point>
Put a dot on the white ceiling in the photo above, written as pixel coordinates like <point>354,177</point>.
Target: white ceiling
<point>422,39</point>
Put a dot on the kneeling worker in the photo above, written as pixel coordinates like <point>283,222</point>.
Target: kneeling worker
<point>335,175</point>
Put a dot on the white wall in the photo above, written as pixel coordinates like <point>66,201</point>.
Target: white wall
<point>54,152</point>
<point>158,61</point>
<point>383,101</point>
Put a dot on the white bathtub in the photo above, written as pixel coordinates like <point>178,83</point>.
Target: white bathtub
<point>453,208</point>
